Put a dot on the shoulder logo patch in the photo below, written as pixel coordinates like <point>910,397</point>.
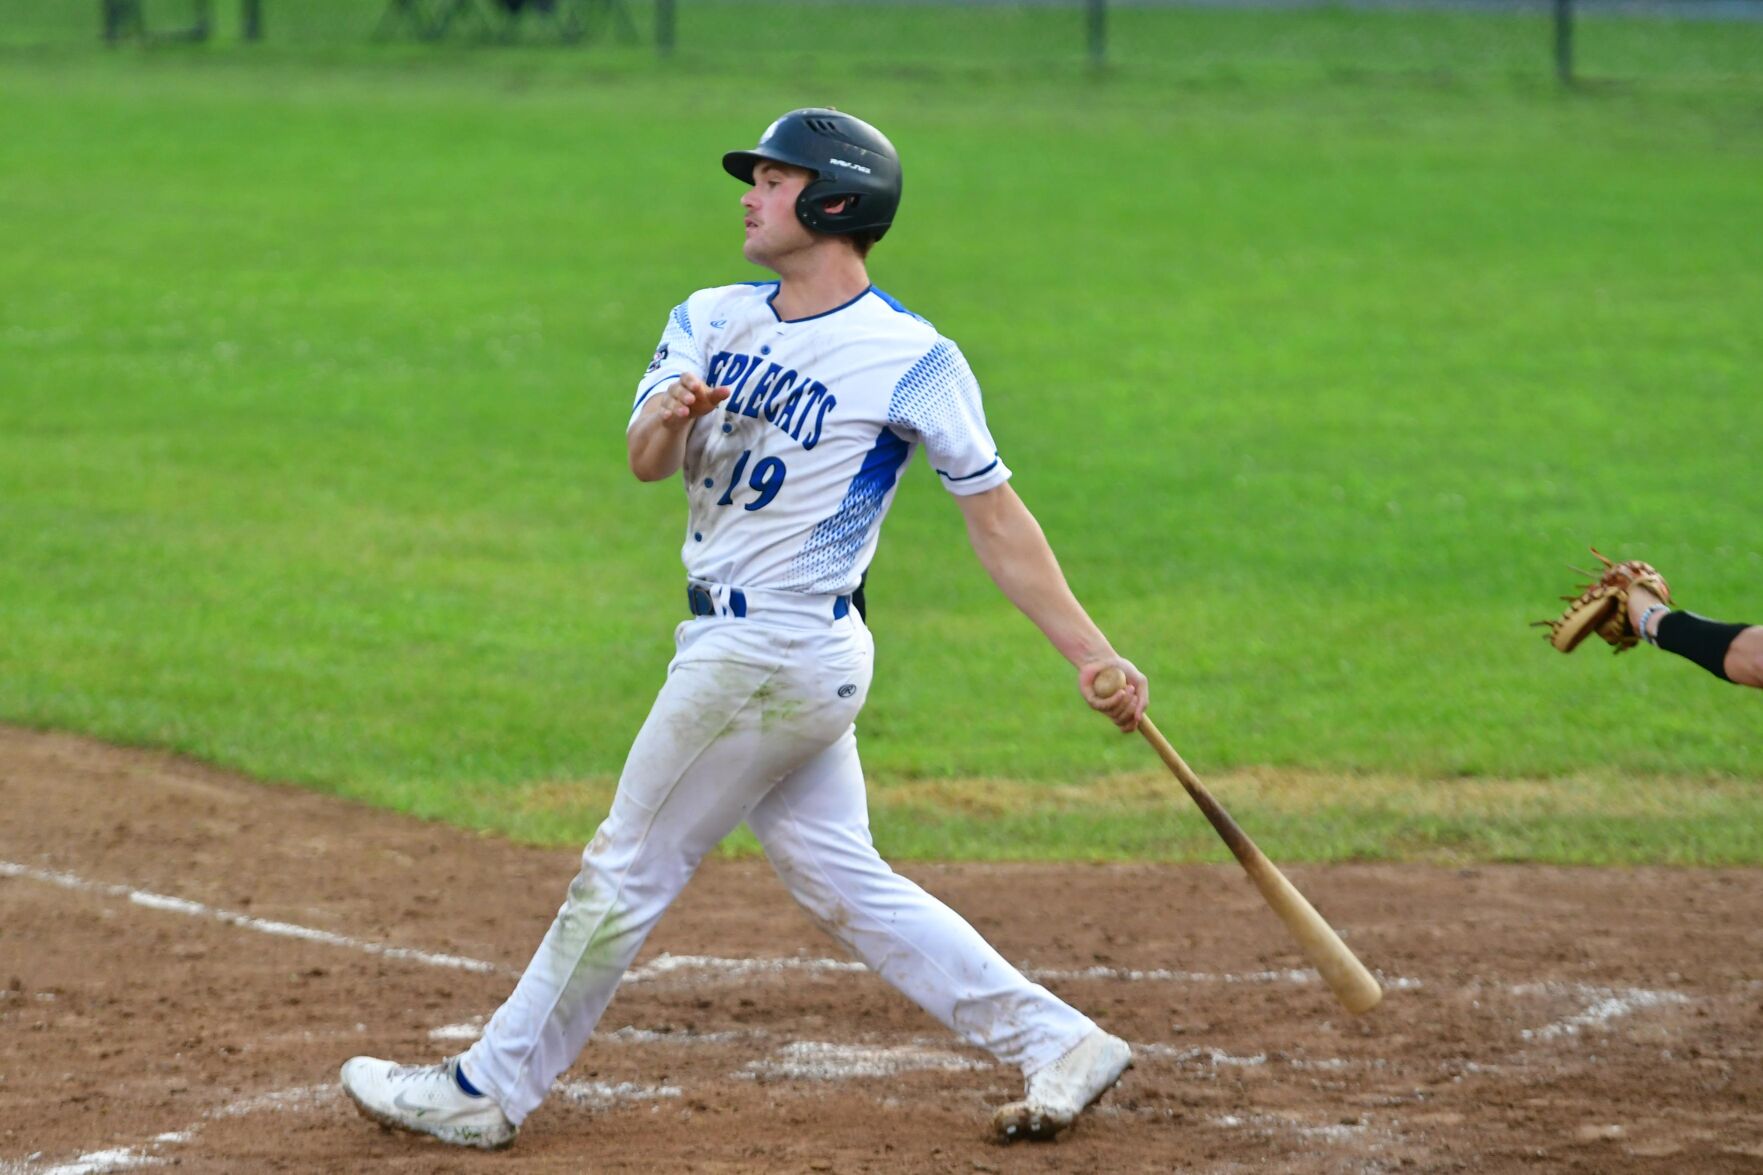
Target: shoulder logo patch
<point>847,690</point>
<point>660,358</point>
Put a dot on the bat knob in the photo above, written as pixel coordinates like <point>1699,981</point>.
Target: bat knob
<point>1109,682</point>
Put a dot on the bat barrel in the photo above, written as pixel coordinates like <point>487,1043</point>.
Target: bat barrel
<point>1345,975</point>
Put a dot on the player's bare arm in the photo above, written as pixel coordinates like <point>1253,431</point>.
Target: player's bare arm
<point>657,440</point>
<point>1015,553</point>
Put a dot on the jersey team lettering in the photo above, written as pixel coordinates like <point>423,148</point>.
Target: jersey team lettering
<point>775,398</point>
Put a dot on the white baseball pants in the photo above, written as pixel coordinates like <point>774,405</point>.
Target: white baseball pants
<point>755,723</point>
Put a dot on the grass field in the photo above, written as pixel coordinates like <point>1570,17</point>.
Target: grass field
<point>314,365</point>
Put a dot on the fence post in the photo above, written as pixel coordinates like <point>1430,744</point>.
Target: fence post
<point>122,18</point>
<point>664,27</point>
<point>1098,30</point>
<point>1564,42</point>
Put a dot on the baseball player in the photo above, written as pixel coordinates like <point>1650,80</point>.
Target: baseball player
<point>789,407</point>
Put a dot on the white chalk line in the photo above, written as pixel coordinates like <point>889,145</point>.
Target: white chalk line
<point>816,1060</point>
<point>146,1154</point>
<point>94,1163</point>
<point>1603,1004</point>
<point>1202,1057</point>
<point>695,967</point>
<point>465,1031</point>
<point>1360,1132</point>
<point>470,1030</point>
<point>601,1095</point>
<point>1292,975</point>
<point>155,901</point>
<point>666,966</point>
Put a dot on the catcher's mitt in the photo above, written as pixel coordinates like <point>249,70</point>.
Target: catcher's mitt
<point>1603,606</point>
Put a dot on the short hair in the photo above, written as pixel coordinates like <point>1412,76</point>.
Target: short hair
<point>864,241</point>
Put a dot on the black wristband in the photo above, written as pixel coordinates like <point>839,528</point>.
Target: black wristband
<point>1699,639</point>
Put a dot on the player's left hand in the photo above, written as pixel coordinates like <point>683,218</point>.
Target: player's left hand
<point>689,399</point>
<point>1127,705</point>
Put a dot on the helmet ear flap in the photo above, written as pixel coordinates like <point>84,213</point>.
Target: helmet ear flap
<point>812,211</point>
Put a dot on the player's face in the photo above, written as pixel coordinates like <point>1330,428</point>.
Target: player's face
<point>773,232</point>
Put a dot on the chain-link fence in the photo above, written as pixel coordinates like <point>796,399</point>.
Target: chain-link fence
<point>1713,41</point>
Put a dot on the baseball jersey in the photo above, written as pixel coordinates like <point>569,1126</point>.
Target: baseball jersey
<point>788,480</point>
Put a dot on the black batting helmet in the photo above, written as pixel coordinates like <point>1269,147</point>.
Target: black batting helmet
<point>850,159</point>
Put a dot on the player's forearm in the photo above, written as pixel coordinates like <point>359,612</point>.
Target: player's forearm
<point>1730,651</point>
<point>1015,553</point>
<point>657,448</point>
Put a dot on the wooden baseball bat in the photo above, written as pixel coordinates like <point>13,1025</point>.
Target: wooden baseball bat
<point>1345,975</point>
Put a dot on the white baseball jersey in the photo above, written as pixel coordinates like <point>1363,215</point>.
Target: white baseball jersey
<point>789,479</point>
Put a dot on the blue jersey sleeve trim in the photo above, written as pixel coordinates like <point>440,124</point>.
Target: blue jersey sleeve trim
<point>970,476</point>
<point>895,303</point>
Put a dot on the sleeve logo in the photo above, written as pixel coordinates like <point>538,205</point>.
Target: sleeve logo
<point>660,358</point>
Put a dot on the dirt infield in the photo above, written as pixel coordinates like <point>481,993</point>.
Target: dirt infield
<point>186,957</point>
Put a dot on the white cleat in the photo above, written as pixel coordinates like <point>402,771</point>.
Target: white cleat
<point>1060,1092</point>
<point>425,1099</point>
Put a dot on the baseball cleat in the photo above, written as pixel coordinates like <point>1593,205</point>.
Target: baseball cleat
<point>1057,1094</point>
<point>425,1099</point>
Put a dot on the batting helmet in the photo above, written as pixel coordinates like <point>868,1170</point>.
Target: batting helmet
<point>851,161</point>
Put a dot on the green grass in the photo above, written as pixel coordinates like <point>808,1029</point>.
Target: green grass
<point>314,365</point>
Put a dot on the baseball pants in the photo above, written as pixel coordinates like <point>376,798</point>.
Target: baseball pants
<point>755,724</point>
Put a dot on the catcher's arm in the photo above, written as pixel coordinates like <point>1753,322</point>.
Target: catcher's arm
<point>1733,652</point>
<point>1602,605</point>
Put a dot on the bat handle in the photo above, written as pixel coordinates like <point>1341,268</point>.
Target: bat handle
<point>1233,835</point>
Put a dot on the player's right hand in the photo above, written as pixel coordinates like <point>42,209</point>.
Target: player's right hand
<point>688,399</point>
<point>1126,705</point>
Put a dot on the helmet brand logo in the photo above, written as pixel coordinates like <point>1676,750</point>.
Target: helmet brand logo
<point>852,166</point>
